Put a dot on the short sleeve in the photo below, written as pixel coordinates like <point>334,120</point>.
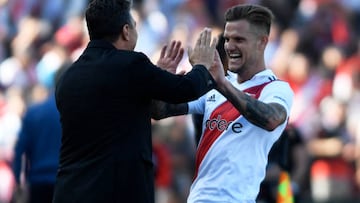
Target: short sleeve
<point>278,92</point>
<point>197,106</point>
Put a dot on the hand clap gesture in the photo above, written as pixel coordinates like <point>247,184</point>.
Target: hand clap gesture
<point>170,56</point>
<point>203,52</point>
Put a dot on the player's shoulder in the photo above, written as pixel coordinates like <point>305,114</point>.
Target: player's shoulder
<point>280,82</point>
<point>279,89</point>
<point>279,85</point>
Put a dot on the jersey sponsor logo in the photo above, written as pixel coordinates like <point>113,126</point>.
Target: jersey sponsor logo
<point>222,124</point>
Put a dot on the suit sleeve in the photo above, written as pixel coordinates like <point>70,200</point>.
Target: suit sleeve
<point>159,84</point>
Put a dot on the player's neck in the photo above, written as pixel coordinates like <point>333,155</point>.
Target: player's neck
<point>248,74</point>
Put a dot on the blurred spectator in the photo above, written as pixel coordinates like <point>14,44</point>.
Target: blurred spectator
<point>332,176</point>
<point>70,35</point>
<point>182,150</point>
<point>273,45</point>
<point>162,166</point>
<point>55,12</point>
<point>18,70</point>
<point>7,182</point>
<point>37,151</point>
<point>305,83</point>
<point>331,58</point>
<point>12,107</point>
<point>349,72</point>
<point>284,49</point>
<point>347,77</point>
<point>4,29</point>
<point>284,10</point>
<point>288,154</point>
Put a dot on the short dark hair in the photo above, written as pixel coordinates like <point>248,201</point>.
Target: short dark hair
<point>106,18</point>
<point>256,15</point>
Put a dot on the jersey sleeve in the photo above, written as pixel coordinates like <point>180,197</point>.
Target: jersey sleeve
<point>197,106</point>
<point>278,92</point>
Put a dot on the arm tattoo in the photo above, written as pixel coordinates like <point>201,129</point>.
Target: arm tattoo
<point>160,109</point>
<point>267,116</point>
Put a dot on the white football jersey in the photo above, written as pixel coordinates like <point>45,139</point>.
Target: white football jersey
<point>232,153</point>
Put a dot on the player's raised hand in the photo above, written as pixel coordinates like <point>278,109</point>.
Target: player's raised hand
<point>204,49</point>
<point>217,70</point>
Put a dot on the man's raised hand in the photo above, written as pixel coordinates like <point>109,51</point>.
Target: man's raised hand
<point>171,56</point>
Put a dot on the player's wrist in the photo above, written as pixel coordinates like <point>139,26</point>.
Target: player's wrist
<point>223,85</point>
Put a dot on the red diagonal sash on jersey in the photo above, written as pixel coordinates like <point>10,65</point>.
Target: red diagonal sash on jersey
<point>219,120</point>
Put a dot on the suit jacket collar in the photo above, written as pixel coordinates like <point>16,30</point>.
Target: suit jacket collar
<point>100,44</point>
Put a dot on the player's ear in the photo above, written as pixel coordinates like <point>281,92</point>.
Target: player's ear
<point>263,42</point>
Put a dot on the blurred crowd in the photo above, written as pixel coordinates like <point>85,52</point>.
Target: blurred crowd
<point>314,45</point>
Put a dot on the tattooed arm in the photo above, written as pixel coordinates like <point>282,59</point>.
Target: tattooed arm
<point>267,116</point>
<point>160,109</point>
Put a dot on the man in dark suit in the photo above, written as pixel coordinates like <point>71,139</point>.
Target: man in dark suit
<point>104,102</point>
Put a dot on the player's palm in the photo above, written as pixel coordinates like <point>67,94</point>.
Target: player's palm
<point>217,70</point>
<point>204,49</point>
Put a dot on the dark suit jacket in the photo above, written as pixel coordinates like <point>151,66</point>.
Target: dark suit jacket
<point>104,102</point>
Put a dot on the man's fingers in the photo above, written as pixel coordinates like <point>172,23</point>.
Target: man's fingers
<point>171,49</point>
<point>179,56</point>
<point>176,50</point>
<point>163,51</point>
<point>182,72</point>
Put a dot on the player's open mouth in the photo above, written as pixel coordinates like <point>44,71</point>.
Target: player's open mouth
<point>235,56</point>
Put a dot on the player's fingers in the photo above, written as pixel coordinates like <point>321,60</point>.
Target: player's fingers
<point>190,54</point>
<point>198,41</point>
<point>214,43</point>
<point>202,37</point>
<point>217,56</point>
<point>207,36</point>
